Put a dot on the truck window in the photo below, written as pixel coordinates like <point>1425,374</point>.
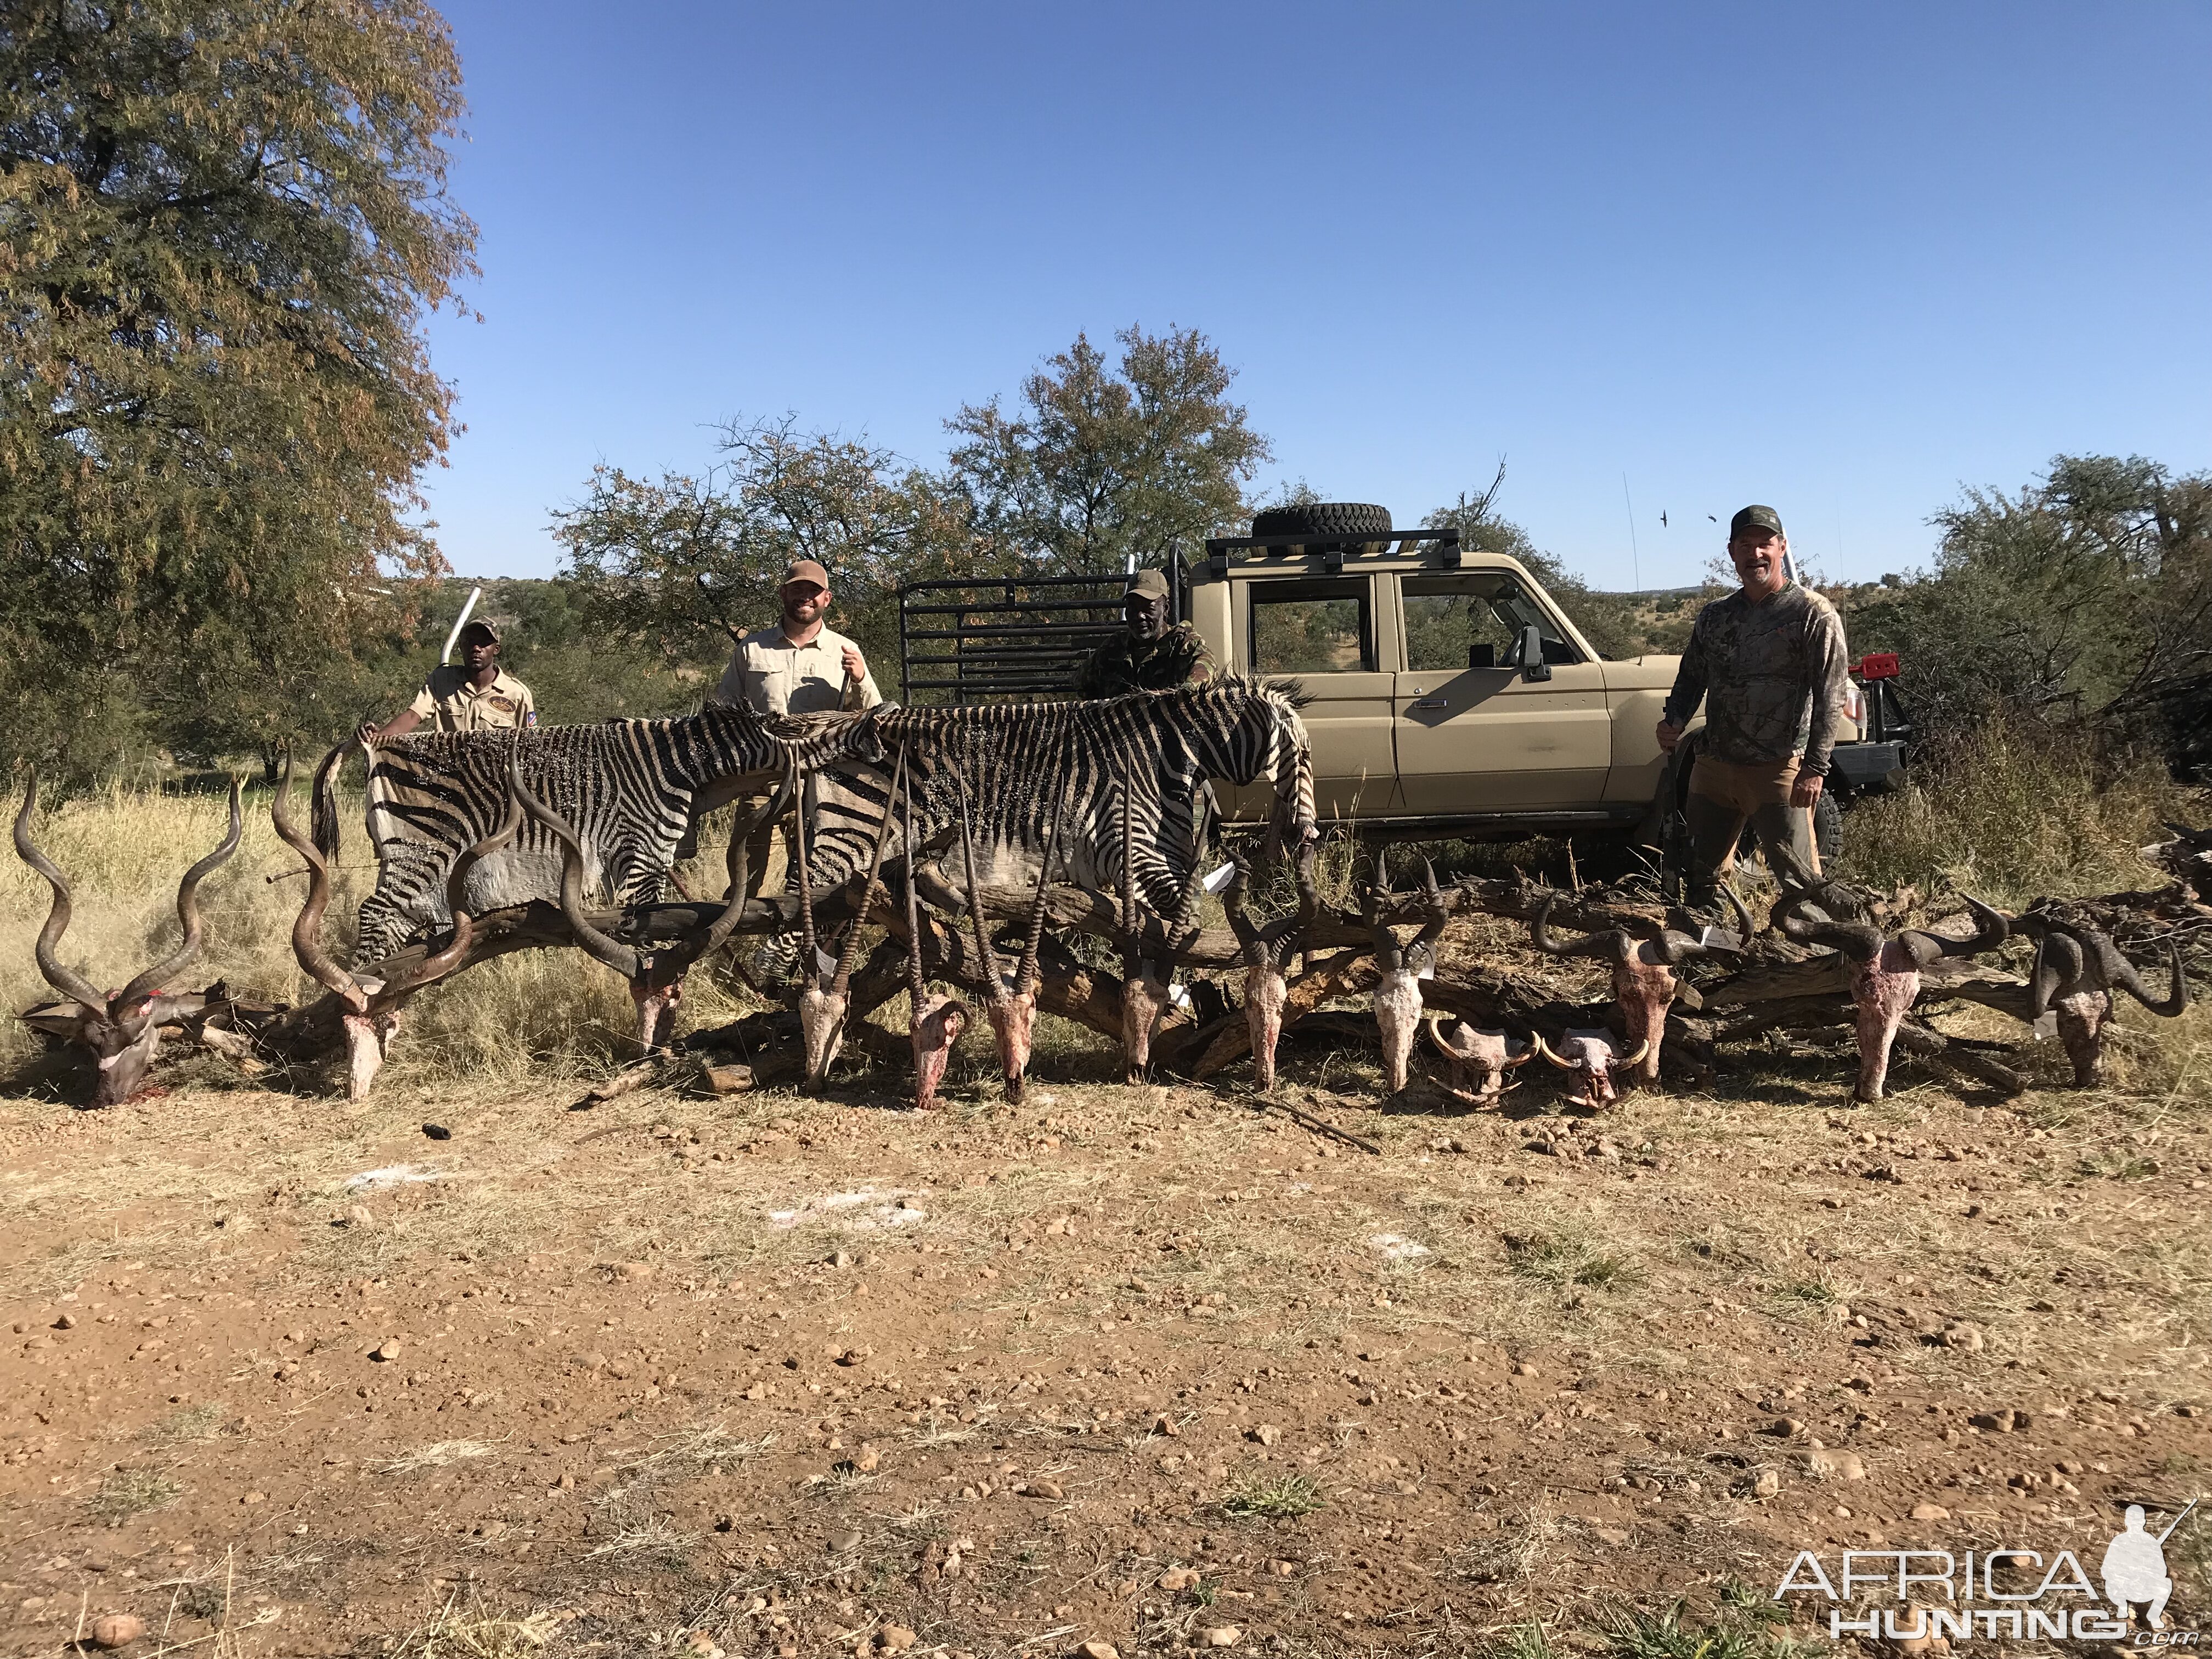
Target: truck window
<point>1454,622</point>
<point>1320,627</point>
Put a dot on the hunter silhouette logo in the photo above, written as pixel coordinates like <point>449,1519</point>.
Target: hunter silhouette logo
<point>1935,1593</point>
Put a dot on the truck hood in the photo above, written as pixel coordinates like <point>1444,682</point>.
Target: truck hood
<point>1642,673</point>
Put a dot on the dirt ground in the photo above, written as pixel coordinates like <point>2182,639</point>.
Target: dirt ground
<point>1148,1366</point>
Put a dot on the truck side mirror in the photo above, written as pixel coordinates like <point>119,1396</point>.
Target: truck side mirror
<point>1533,666</point>
<point>1484,655</point>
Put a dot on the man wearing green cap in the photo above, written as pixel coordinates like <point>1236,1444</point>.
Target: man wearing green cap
<point>1152,655</point>
<point>1769,662</point>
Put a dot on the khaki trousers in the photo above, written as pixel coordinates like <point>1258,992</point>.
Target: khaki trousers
<point>1724,796</point>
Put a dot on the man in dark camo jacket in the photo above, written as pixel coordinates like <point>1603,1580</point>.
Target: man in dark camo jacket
<point>1769,662</point>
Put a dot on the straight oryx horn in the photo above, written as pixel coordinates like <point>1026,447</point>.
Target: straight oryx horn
<point>807,952</point>
<point>848,954</point>
<point>1028,974</point>
<point>987,955</point>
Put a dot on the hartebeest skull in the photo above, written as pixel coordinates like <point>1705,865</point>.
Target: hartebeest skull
<point>372,1005</point>
<point>1397,999</point>
<point>1644,984</point>
<point>1591,1055</point>
<point>2076,971</point>
<point>655,975</point>
<point>1265,950</point>
<point>122,1028</point>
<point>1480,1055</point>
<point>1885,971</point>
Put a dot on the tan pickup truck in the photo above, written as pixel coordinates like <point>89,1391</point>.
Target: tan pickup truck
<point>1450,693</point>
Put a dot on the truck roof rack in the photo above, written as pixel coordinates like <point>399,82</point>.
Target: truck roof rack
<point>1220,550</point>
<point>996,637</point>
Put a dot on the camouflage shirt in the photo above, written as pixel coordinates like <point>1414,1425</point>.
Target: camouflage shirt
<point>1773,675</point>
<point>1127,664</point>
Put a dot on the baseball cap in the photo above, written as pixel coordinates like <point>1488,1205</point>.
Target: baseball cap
<point>478,625</point>
<point>805,571</point>
<point>1755,517</point>
<point>1153,584</point>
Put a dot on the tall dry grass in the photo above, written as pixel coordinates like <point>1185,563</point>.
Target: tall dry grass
<point>2013,815</point>
<point>532,1016</point>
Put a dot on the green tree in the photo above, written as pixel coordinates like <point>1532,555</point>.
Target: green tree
<point>2086,599</point>
<point>687,566</point>
<point>221,226</point>
<point>1102,463</point>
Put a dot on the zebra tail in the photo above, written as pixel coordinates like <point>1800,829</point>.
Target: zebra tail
<point>323,817</point>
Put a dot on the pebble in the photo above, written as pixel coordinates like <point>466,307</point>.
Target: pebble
<point>1998,1422</point>
<point>701,1646</point>
<point>1095,1650</point>
<point>384,1353</point>
<point>1930,1512</point>
<point>1178,1578</point>
<point>437,1132</point>
<point>1224,1636</point>
<point>844,1543</point>
<point>116,1630</point>
<point>1045,1489</point>
<point>1767,1484</point>
<point>358,1216</point>
<point>1165,1425</point>
<point>1526,1368</point>
<point>895,1638</point>
<point>68,1323</point>
<point>1267,1434</point>
<point>867,1458</point>
<point>634,1269</point>
<point>1961,1336</point>
<point>1836,1465</point>
<point>1282,1569</point>
<point>1785,1426</point>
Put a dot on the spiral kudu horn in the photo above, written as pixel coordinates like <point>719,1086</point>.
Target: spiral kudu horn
<point>625,959</point>
<point>307,947</point>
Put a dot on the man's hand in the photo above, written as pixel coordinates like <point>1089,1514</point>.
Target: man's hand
<point>1806,790</point>
<point>1669,735</point>
<point>856,666</point>
<point>367,735</point>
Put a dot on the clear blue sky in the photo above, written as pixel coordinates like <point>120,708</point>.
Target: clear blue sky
<point>1843,260</point>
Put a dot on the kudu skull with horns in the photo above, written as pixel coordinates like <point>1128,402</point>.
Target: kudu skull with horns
<point>122,1028</point>
<point>372,1005</point>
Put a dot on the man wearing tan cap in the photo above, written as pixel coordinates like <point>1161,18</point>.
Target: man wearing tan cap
<point>801,665</point>
<point>477,695</point>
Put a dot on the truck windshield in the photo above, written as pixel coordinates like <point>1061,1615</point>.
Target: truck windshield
<point>1320,627</point>
<point>1475,621</point>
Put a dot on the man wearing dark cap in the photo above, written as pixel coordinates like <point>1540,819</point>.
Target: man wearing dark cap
<point>477,695</point>
<point>801,665</point>
<point>1769,662</point>
<point>1152,655</point>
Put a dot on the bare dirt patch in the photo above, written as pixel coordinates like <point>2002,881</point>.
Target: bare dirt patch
<point>1129,1365</point>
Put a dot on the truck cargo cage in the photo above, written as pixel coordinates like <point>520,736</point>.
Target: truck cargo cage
<point>1220,550</point>
<point>1000,637</point>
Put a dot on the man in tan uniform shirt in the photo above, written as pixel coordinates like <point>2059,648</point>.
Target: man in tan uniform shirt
<point>479,696</point>
<point>800,666</point>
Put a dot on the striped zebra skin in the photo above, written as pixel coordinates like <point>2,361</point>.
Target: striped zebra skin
<point>1022,762</point>
<point>628,786</point>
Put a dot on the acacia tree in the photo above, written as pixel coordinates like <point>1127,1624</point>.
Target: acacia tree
<point>221,223</point>
<point>687,565</point>
<point>1101,463</point>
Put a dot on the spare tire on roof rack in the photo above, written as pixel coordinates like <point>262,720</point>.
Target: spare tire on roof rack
<point>1332,519</point>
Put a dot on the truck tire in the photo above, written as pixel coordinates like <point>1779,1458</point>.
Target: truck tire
<point>1827,829</point>
<point>1324,519</point>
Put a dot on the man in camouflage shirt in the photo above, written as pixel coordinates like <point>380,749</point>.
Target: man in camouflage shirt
<point>1152,656</point>
<point>1770,661</point>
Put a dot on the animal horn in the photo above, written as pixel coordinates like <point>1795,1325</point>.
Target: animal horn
<point>806,947</point>
<point>1527,1051</point>
<point>1642,1049</point>
<point>436,964</point>
<point>2124,976</point>
<point>1855,940</point>
<point>849,954</point>
<point>1612,945</point>
<point>69,982</point>
<point>626,960</point>
<point>1544,1050</point>
<point>917,981</point>
<point>2056,970</point>
<point>1028,975</point>
<point>1232,905</point>
<point>1433,916</point>
<point>188,914</point>
<point>984,951</point>
<point>1991,930</point>
<point>308,925</point>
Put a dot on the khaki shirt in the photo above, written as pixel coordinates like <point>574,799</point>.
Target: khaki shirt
<point>768,674</point>
<point>451,703</point>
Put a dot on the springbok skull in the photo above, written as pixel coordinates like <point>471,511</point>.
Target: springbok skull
<point>123,1028</point>
<point>1265,950</point>
<point>1481,1054</point>
<point>1591,1055</point>
<point>1397,999</point>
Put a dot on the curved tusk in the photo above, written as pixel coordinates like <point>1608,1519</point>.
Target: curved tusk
<point>1544,1050</point>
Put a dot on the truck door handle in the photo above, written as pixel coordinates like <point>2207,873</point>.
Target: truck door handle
<point>1432,702</point>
